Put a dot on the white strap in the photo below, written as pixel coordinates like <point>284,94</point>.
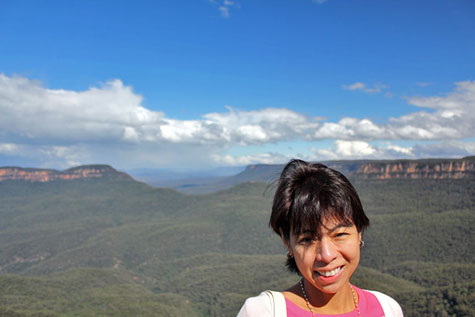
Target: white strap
<point>277,299</point>
<point>390,307</point>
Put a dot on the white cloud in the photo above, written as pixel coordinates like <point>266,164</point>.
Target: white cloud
<point>350,129</point>
<point>261,126</point>
<point>108,124</point>
<point>355,86</point>
<point>354,148</point>
<point>224,11</point>
<point>444,149</point>
<point>67,155</point>
<point>453,116</point>
<point>30,111</point>
<point>363,87</point>
<point>113,113</point>
<point>346,149</point>
<point>399,150</point>
<point>342,149</point>
<point>464,94</point>
<point>264,158</point>
<point>224,6</point>
<point>9,148</point>
<point>46,155</point>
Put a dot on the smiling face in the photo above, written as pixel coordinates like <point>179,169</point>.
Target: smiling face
<point>328,261</point>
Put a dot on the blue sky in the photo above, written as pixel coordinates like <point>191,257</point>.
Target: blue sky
<point>201,83</point>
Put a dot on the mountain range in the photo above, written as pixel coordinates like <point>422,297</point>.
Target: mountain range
<point>359,169</point>
<point>109,245</point>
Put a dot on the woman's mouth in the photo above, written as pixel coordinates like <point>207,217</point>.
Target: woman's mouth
<point>330,273</point>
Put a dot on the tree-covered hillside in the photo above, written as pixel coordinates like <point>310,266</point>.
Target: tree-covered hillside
<point>119,247</point>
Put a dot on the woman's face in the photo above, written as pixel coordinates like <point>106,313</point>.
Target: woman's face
<point>327,262</point>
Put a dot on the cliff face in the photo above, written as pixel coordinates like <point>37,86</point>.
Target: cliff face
<point>463,168</point>
<point>46,175</point>
<point>398,169</point>
<point>435,169</point>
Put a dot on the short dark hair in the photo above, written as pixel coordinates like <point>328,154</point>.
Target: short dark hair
<point>309,193</point>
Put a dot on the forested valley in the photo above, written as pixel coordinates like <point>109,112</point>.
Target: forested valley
<point>115,246</point>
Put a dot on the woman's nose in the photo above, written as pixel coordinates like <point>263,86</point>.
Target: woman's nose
<point>326,251</point>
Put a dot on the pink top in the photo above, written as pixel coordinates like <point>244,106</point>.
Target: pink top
<point>368,304</point>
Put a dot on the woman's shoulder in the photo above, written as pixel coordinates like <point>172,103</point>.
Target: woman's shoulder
<point>261,305</point>
<point>256,306</point>
<point>390,306</point>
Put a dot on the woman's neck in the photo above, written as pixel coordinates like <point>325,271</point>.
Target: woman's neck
<point>321,303</point>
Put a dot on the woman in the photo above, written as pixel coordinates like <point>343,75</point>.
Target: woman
<point>319,216</point>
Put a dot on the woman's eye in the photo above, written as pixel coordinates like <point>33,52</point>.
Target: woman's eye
<point>341,234</point>
<point>306,240</point>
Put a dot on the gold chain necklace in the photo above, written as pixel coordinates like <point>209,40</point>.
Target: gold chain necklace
<point>355,299</point>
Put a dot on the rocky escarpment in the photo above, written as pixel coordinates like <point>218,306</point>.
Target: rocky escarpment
<point>457,168</point>
<point>47,175</point>
<point>414,169</point>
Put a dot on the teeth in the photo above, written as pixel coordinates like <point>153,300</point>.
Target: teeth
<point>330,273</point>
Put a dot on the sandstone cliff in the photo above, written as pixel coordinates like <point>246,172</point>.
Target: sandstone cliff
<point>463,168</point>
<point>413,169</point>
<point>46,175</point>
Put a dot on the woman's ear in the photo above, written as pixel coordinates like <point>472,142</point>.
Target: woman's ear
<point>361,239</point>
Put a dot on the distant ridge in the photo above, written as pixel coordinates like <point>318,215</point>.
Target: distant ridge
<point>414,169</point>
<point>46,175</point>
<point>439,168</point>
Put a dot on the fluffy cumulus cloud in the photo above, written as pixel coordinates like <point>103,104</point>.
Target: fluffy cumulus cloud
<point>30,111</point>
<point>342,149</point>
<point>263,158</point>
<point>114,113</point>
<point>262,126</point>
<point>452,116</point>
<point>350,128</point>
<point>109,124</point>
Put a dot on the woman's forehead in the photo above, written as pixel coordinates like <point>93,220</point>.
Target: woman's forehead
<point>332,222</point>
<point>326,224</point>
